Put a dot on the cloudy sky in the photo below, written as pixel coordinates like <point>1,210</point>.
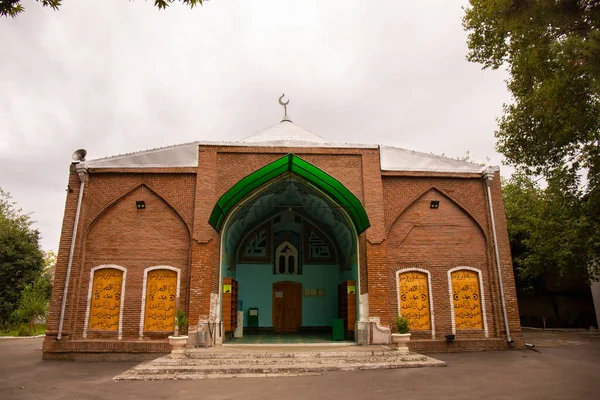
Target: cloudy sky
<point>117,76</point>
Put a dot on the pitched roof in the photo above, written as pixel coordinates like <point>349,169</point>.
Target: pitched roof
<point>397,159</point>
<point>285,134</point>
<point>181,155</point>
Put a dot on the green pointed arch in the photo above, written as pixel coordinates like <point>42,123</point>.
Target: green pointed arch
<point>291,163</point>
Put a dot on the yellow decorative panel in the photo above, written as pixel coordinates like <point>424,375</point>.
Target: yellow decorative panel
<point>105,304</point>
<point>414,299</point>
<point>467,300</point>
<point>161,298</point>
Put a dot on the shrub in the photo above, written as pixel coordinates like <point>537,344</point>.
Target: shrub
<point>181,322</point>
<point>32,304</point>
<point>402,324</point>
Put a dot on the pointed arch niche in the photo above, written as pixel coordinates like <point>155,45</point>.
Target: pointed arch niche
<point>126,235</point>
<point>291,192</point>
<point>436,236</point>
<point>138,238</point>
<point>286,259</point>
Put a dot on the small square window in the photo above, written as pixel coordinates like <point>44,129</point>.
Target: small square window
<point>434,204</point>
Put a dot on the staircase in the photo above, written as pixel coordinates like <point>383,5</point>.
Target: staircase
<point>240,362</point>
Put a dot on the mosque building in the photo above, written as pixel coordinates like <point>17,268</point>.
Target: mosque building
<point>281,232</point>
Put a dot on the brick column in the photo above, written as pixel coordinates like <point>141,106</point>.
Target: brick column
<point>62,261</point>
<point>204,238</point>
<point>376,257</point>
<point>508,278</point>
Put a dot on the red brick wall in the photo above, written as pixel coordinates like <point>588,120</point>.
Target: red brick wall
<point>135,239</point>
<point>510,292</point>
<point>220,168</point>
<point>404,232</point>
<point>458,233</point>
<point>436,240</point>
<point>112,231</point>
<point>63,253</point>
<point>233,166</point>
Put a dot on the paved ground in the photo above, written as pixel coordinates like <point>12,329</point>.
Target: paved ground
<point>565,365</point>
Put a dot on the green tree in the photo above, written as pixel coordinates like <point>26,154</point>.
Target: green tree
<point>12,8</point>
<point>546,229</point>
<point>33,303</point>
<point>49,270</point>
<point>551,129</point>
<point>21,258</point>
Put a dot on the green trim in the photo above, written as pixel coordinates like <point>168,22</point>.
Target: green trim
<point>291,163</point>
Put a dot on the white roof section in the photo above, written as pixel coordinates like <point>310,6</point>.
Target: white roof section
<point>182,155</point>
<point>397,159</point>
<point>288,134</point>
<point>284,134</point>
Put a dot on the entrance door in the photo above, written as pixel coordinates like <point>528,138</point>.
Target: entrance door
<point>287,306</point>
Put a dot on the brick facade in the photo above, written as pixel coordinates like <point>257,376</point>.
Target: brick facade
<point>173,231</point>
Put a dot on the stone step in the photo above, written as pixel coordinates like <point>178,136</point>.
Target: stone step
<point>148,371</point>
<point>175,377</point>
<point>207,354</point>
<point>224,362</point>
<point>290,360</point>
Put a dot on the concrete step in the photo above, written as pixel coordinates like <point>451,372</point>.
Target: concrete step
<point>188,377</point>
<point>204,371</point>
<point>195,354</point>
<point>290,360</point>
<point>272,364</point>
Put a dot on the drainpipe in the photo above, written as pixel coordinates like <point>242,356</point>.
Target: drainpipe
<point>488,175</point>
<point>81,171</point>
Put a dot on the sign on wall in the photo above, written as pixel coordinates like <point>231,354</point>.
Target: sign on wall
<point>161,300</point>
<point>414,299</point>
<point>105,304</point>
<point>467,300</point>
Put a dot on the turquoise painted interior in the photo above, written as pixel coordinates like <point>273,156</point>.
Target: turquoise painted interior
<point>255,280</point>
<point>255,286</point>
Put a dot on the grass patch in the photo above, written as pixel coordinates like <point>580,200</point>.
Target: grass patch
<point>23,330</point>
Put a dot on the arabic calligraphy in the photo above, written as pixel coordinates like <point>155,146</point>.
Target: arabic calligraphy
<point>467,300</point>
<point>414,299</point>
<point>258,245</point>
<point>317,246</point>
<point>161,297</point>
<point>105,304</point>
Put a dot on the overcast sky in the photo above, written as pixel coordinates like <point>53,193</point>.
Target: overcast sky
<point>117,76</point>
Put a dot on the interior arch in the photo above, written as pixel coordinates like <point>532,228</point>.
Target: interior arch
<point>276,213</point>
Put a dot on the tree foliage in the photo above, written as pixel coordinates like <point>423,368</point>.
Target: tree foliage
<point>21,258</point>
<point>547,229</point>
<point>12,8</point>
<point>551,129</point>
<point>33,302</point>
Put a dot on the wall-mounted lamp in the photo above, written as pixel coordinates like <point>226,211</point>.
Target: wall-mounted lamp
<point>69,189</point>
<point>434,204</point>
<point>140,204</point>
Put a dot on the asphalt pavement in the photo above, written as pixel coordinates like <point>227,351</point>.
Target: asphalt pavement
<point>563,365</point>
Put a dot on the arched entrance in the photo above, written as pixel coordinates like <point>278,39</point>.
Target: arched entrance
<point>289,250</point>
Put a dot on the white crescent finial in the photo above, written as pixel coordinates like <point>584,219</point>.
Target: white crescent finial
<point>282,103</point>
<point>285,117</point>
